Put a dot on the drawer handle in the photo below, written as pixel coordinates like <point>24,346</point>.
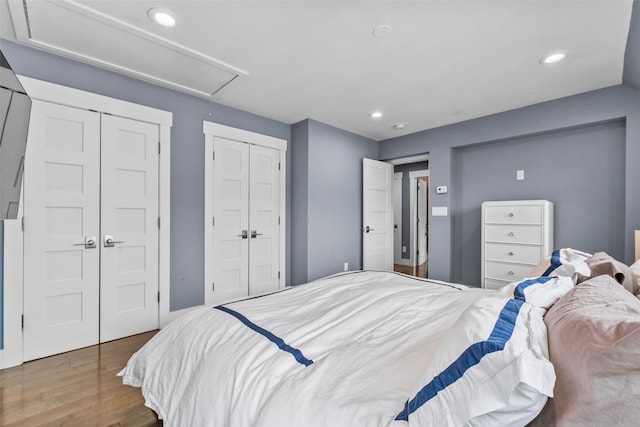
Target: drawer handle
<point>510,273</point>
<point>510,234</point>
<point>511,214</point>
<point>510,253</point>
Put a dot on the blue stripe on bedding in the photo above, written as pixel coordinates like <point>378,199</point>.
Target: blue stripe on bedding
<point>555,262</point>
<point>268,335</point>
<point>497,340</point>
<point>518,292</point>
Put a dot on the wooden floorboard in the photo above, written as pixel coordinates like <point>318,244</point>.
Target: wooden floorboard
<point>78,388</point>
<point>420,271</point>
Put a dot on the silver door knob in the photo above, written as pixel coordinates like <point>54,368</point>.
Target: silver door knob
<point>109,242</point>
<point>368,229</point>
<point>254,234</point>
<point>89,243</point>
<point>510,234</point>
<point>244,234</point>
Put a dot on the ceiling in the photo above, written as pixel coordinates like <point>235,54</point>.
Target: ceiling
<point>443,61</point>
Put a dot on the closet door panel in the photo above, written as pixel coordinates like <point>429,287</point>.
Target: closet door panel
<point>264,208</point>
<point>61,198</point>
<point>129,231</point>
<point>230,251</point>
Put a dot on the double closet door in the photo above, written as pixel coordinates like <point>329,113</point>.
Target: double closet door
<point>90,229</point>
<point>246,219</point>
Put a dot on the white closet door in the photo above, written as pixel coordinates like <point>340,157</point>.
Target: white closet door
<point>129,271</point>
<point>264,208</point>
<point>230,254</point>
<point>61,198</point>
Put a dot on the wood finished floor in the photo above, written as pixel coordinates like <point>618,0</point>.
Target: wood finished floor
<point>79,388</point>
<point>420,271</point>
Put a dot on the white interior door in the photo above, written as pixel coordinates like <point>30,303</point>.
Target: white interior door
<point>397,218</point>
<point>61,198</point>
<point>422,221</point>
<point>377,215</point>
<point>264,208</point>
<point>230,254</point>
<point>129,271</point>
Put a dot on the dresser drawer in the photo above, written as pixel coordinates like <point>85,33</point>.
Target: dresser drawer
<point>494,284</point>
<point>531,234</point>
<point>513,253</point>
<point>513,214</point>
<point>505,271</point>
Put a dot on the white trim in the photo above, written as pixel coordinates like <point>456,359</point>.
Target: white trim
<point>13,249</point>
<point>164,210</point>
<point>411,159</point>
<point>211,130</point>
<point>12,354</point>
<point>58,94</point>
<point>413,209</point>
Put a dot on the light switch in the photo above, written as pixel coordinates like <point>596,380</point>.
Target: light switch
<point>439,211</point>
<point>520,174</point>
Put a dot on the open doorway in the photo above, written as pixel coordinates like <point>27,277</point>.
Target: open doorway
<point>411,226</point>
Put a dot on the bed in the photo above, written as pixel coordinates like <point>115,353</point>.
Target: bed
<point>370,349</point>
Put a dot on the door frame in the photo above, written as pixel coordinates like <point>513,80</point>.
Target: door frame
<point>413,206</point>
<point>211,130</point>
<point>12,353</point>
<point>397,248</point>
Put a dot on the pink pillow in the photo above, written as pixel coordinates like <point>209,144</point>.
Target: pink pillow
<point>594,345</point>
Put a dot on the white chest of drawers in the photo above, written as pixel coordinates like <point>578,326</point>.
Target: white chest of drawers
<point>516,235</point>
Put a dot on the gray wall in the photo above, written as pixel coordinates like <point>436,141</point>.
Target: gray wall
<point>631,74</point>
<point>299,201</point>
<point>406,202</point>
<point>555,119</point>
<point>332,200</point>
<point>187,151</point>
<point>577,169</point>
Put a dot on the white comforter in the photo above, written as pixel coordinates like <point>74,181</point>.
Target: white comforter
<point>348,350</point>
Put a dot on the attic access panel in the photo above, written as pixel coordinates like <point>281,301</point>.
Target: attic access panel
<point>125,48</point>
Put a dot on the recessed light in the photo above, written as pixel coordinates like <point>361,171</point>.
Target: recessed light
<point>161,17</point>
<point>376,115</point>
<point>553,58</point>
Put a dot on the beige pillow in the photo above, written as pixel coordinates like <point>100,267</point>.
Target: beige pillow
<point>594,345</point>
<point>602,263</point>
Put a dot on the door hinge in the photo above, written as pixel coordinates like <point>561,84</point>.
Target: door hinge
<point>22,223</point>
<point>158,296</point>
<point>278,274</point>
<point>213,286</point>
<point>214,155</point>
<point>22,321</point>
<point>278,165</point>
<point>158,222</point>
<point>213,221</point>
<point>158,147</point>
<point>278,220</point>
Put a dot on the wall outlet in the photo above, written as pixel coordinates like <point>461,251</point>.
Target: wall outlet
<point>520,174</point>
<point>346,266</point>
<point>404,249</point>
